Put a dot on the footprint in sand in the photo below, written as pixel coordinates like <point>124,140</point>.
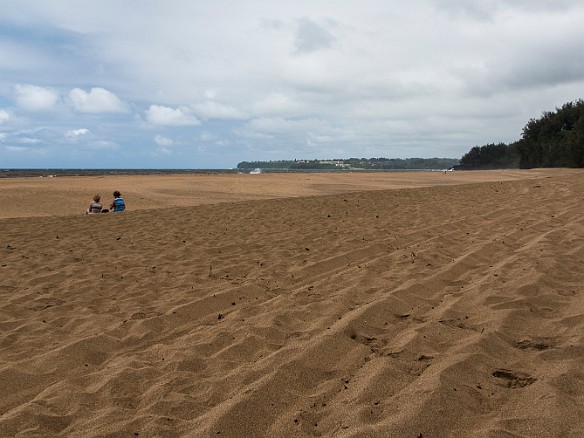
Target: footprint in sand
<point>512,379</point>
<point>532,344</point>
<point>143,315</point>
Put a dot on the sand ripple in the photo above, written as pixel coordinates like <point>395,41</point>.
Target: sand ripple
<point>441,311</point>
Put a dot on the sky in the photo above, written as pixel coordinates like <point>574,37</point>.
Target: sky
<point>210,83</point>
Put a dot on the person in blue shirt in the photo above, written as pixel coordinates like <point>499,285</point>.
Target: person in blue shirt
<point>119,204</point>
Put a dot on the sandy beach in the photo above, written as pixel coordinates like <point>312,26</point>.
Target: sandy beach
<point>294,305</point>
<point>20,197</point>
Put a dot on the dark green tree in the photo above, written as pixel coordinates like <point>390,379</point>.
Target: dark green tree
<point>490,156</point>
<point>556,139</point>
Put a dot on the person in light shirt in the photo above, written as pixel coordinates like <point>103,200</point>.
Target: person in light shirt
<point>95,206</point>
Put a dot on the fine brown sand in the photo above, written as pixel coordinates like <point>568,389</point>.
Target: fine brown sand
<point>357,305</point>
<point>21,197</point>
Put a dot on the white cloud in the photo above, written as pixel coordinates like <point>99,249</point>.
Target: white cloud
<point>278,104</point>
<point>16,149</point>
<point>271,125</point>
<point>74,133</point>
<point>488,11</point>
<point>97,100</point>
<point>28,140</point>
<point>164,150</point>
<point>162,141</point>
<point>214,110</point>
<point>311,36</point>
<point>165,116</point>
<point>33,98</point>
<point>278,128</point>
<point>4,116</point>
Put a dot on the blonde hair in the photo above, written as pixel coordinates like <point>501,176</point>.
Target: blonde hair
<point>96,198</point>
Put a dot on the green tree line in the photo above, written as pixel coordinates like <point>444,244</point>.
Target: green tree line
<point>556,139</point>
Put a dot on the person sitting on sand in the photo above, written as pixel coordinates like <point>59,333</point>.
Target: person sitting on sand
<point>119,204</point>
<point>95,206</point>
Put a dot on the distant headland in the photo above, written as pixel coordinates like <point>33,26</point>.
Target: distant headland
<point>353,164</point>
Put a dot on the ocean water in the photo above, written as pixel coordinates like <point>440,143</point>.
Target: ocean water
<point>51,173</point>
